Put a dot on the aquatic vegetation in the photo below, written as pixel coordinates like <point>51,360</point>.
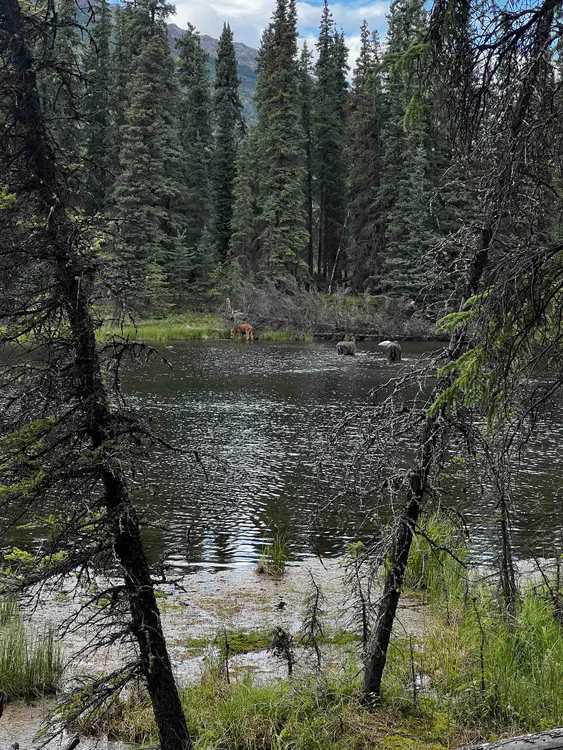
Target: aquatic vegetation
<point>273,560</point>
<point>30,660</point>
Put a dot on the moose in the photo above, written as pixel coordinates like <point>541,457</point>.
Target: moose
<point>243,328</point>
<point>347,347</point>
<point>393,350</point>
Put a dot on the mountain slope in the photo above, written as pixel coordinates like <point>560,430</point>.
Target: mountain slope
<point>246,56</point>
<point>246,59</point>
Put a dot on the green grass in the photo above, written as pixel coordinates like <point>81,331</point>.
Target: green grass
<point>30,660</point>
<point>431,568</point>
<point>301,714</point>
<point>245,641</point>
<point>191,327</point>
<point>274,557</point>
<point>496,671</point>
<point>188,327</point>
<point>488,676</point>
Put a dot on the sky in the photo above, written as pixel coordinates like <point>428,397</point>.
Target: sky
<point>248,18</point>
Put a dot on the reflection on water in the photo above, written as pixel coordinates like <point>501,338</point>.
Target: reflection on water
<point>260,417</point>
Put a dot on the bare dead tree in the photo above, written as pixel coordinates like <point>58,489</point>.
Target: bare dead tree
<point>68,447</point>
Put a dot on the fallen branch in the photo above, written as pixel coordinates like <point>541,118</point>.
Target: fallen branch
<point>552,740</point>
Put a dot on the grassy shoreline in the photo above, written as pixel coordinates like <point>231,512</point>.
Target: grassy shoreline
<point>470,674</point>
<point>192,327</point>
<point>211,327</point>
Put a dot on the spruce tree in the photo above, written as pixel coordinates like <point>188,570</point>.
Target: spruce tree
<point>97,110</point>
<point>281,152</point>
<point>406,184</point>
<point>149,191</point>
<point>228,126</point>
<point>61,81</point>
<point>244,237</point>
<point>306,93</point>
<point>196,133</point>
<point>330,138</point>
<point>366,220</point>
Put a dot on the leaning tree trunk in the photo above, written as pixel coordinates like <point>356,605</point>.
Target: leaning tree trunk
<point>74,277</point>
<point>376,656</point>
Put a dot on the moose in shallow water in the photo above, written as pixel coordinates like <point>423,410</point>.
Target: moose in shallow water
<point>393,350</point>
<point>243,328</point>
<point>347,347</point>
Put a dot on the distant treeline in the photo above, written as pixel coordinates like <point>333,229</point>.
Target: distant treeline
<point>339,182</point>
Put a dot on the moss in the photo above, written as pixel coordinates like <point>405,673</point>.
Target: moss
<point>246,641</point>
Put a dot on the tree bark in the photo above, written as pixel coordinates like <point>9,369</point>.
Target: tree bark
<point>551,740</point>
<point>74,278</point>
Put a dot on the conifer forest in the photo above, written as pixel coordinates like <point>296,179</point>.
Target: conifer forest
<point>281,367</point>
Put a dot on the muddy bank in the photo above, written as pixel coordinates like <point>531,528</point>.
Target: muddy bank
<point>198,607</point>
<point>195,612</point>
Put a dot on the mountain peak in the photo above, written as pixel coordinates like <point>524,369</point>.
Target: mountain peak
<point>245,55</point>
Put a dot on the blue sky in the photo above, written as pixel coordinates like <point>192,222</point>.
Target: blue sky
<point>249,17</point>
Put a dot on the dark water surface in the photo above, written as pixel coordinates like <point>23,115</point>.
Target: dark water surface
<point>260,417</point>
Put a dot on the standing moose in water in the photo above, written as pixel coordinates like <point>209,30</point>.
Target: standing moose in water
<point>347,347</point>
<point>243,328</point>
<point>393,350</point>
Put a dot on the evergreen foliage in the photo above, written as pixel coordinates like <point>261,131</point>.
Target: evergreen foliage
<point>406,181</point>
<point>330,113</point>
<point>364,134</point>
<point>306,94</point>
<point>338,185</point>
<point>150,196</point>
<point>281,155</point>
<point>228,128</point>
<point>97,110</point>
<point>196,132</point>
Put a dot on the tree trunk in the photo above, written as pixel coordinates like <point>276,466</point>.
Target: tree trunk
<point>377,651</point>
<point>309,192</point>
<point>74,276</point>
<point>551,740</point>
<point>376,657</point>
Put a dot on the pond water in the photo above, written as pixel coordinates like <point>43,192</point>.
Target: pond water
<point>260,417</point>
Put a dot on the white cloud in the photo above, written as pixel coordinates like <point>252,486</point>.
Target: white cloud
<point>248,18</point>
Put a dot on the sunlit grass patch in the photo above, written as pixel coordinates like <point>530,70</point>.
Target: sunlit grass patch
<point>189,327</point>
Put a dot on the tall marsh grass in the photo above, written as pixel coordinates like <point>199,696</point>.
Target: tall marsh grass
<point>437,558</point>
<point>192,327</point>
<point>30,660</point>
<point>274,557</point>
<point>185,328</point>
<point>496,670</point>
